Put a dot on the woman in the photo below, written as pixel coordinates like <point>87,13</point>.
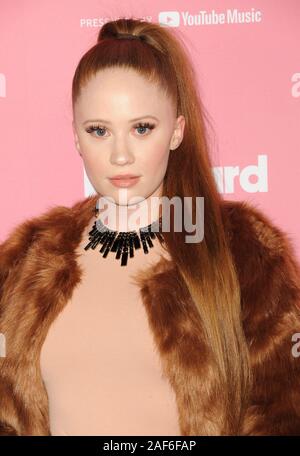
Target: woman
<point>191,338</point>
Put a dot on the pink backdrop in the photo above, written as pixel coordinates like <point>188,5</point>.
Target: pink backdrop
<point>249,78</point>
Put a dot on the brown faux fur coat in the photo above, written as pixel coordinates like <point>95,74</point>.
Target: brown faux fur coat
<point>38,273</point>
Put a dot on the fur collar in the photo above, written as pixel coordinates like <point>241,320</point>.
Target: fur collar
<point>38,272</point>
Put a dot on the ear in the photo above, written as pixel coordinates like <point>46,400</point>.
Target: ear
<point>76,140</point>
<point>177,136</point>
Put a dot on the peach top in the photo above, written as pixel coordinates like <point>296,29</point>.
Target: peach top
<point>101,369</point>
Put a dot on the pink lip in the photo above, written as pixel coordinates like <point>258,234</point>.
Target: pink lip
<point>123,176</point>
<point>120,181</point>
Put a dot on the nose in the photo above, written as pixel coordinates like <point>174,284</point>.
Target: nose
<point>121,154</point>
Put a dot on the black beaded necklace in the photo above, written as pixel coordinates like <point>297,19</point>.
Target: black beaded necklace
<point>123,242</point>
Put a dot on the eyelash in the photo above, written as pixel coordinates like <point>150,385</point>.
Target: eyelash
<point>139,125</point>
<point>148,125</point>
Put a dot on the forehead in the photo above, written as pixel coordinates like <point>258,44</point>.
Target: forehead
<point>122,92</point>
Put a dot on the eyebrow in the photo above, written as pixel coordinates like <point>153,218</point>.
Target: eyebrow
<point>108,122</point>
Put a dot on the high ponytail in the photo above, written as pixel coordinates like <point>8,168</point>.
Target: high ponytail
<point>207,267</point>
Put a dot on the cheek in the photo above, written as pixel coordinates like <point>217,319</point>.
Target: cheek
<point>92,158</point>
<point>95,165</point>
<point>157,160</point>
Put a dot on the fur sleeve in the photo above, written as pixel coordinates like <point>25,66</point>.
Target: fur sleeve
<point>269,274</point>
<point>15,416</point>
<point>11,252</point>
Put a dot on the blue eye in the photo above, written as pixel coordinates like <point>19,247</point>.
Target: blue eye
<point>145,125</point>
<point>94,128</point>
<point>140,126</point>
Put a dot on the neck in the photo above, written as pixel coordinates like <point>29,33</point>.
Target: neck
<point>129,217</point>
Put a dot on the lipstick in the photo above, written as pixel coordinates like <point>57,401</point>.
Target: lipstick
<point>125,180</point>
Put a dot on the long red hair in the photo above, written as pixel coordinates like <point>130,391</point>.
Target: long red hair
<point>206,267</point>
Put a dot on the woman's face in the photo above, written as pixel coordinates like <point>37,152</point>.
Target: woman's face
<point>111,142</point>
